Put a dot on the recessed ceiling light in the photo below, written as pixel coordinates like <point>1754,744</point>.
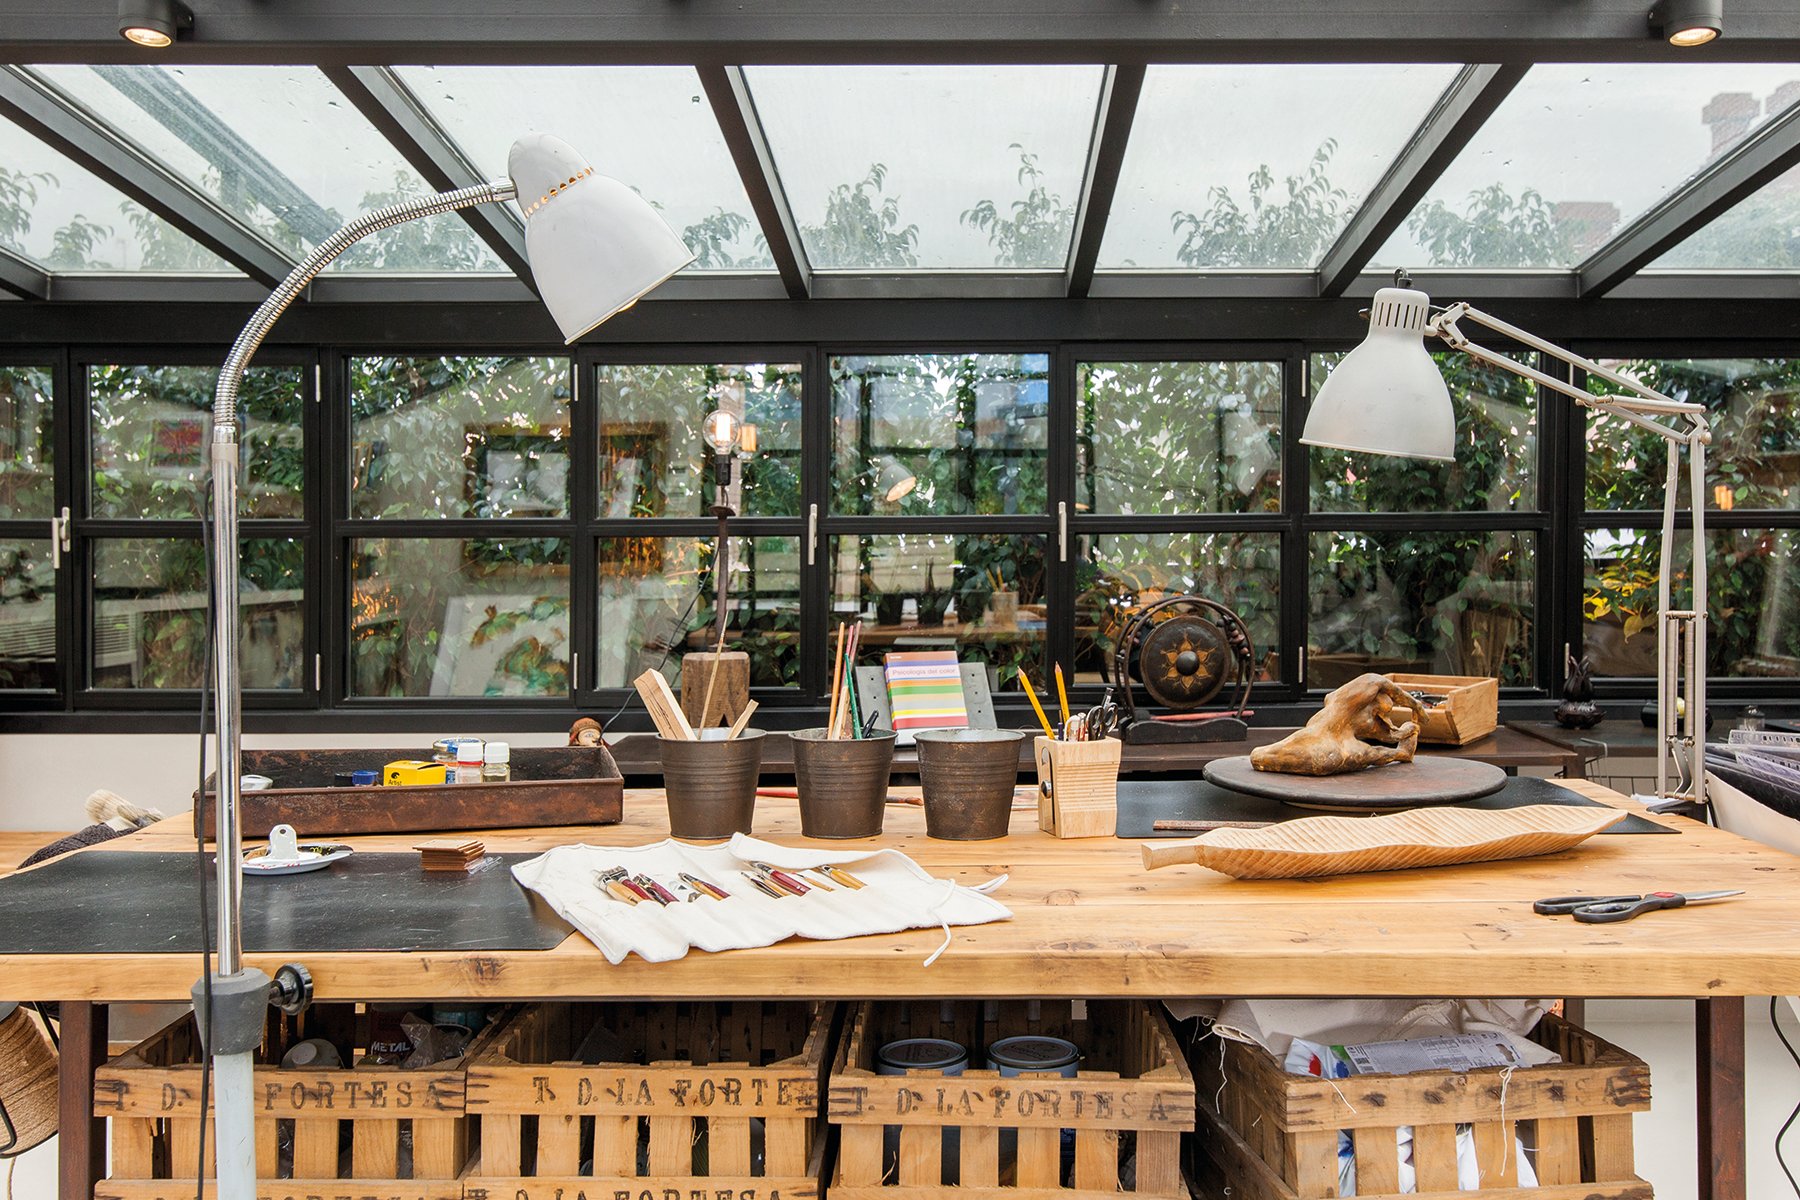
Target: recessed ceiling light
<point>154,23</point>
<point>1688,22</point>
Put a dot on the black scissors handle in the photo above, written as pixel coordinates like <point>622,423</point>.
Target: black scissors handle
<point>1608,911</point>
<point>1562,905</point>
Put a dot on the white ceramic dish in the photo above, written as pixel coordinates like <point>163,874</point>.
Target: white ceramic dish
<point>310,858</point>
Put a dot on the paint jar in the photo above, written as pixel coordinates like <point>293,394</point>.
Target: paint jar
<point>921,1054</point>
<point>469,757</point>
<point>496,763</point>
<point>365,778</point>
<point>1036,1054</point>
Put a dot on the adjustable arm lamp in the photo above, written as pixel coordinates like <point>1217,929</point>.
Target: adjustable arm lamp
<point>595,247</point>
<point>1387,397</point>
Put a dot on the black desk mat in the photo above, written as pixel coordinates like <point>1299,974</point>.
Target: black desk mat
<point>1143,802</point>
<point>117,902</point>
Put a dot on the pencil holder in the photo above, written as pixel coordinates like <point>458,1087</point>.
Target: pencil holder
<point>711,785</point>
<point>843,783</point>
<point>1078,786</point>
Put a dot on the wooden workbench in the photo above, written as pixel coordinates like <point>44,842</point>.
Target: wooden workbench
<point>1090,922</point>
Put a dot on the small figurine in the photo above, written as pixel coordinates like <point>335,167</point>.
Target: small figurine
<point>1578,710</point>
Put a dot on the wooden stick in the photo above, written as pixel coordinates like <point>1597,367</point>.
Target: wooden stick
<point>738,725</point>
<point>659,701</point>
<point>1206,826</point>
<point>837,667</point>
<point>712,681</point>
<point>845,719</point>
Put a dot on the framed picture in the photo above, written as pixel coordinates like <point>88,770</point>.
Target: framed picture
<point>518,473</point>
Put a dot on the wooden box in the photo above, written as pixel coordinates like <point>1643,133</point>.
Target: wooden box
<point>1112,1129</point>
<point>1274,1136</point>
<point>551,785</point>
<point>1470,710</point>
<point>369,1131</point>
<point>1078,786</point>
<point>693,1098</point>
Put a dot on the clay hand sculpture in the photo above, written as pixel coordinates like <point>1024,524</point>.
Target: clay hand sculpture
<point>1366,723</point>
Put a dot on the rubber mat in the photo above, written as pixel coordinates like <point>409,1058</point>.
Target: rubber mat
<point>119,902</point>
<point>1143,802</point>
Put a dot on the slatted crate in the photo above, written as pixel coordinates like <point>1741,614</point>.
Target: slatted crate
<point>719,1099</point>
<point>365,1133</point>
<point>1269,1135</point>
<point>1124,1111</point>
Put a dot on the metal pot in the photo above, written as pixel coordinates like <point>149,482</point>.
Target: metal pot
<point>711,785</point>
<point>968,777</point>
<point>843,783</point>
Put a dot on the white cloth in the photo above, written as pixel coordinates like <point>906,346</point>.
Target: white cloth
<point>899,895</point>
<point>1275,1024</point>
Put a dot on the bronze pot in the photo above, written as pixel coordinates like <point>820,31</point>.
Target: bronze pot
<point>711,785</point>
<point>968,777</point>
<point>843,783</point>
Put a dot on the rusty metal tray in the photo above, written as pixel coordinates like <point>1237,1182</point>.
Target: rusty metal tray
<point>551,785</point>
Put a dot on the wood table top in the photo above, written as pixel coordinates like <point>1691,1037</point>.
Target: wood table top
<point>1090,921</point>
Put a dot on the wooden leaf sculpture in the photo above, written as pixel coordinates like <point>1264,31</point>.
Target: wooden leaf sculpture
<point>1369,722</point>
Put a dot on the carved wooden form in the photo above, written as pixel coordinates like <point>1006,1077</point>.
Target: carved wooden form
<point>1369,722</point>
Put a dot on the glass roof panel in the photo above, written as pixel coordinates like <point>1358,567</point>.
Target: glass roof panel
<point>282,149</point>
<point>1576,153</point>
<point>931,167</point>
<point>67,219</point>
<point>1761,232</point>
<point>650,127</point>
<point>1258,166</point>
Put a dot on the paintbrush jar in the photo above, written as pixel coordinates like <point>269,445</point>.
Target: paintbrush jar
<point>711,785</point>
<point>843,783</point>
<point>968,776</point>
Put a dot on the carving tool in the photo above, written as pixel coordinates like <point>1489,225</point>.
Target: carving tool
<point>1062,697</point>
<point>704,886</point>
<point>782,879</point>
<point>763,885</point>
<point>842,876</point>
<point>1031,694</point>
<point>818,882</point>
<point>658,892</point>
<point>613,882</point>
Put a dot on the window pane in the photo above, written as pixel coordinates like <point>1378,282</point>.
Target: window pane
<point>151,428</point>
<point>27,617</point>
<point>1258,166</point>
<point>278,148</point>
<point>1578,151</point>
<point>648,126</point>
<point>934,434</point>
<point>1449,603</point>
<point>27,444</point>
<point>1179,437</point>
<point>459,437</point>
<point>1495,469</point>
<point>150,613</point>
<point>946,167</point>
<point>981,594</point>
<point>1117,574</point>
<point>1752,600</point>
<point>459,617</point>
<point>1753,408</point>
<point>658,600</point>
<point>652,461</point>
<point>1759,233</point>
<point>65,219</point>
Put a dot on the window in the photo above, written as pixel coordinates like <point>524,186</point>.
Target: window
<point>28,554</point>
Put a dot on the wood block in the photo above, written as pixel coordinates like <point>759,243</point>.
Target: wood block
<point>730,694</point>
<point>659,700</point>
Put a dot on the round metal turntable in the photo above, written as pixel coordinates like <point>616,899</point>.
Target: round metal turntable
<point>1393,788</point>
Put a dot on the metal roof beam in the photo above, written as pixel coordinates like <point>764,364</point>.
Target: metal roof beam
<point>729,94</point>
<point>1765,155</point>
<point>1119,93</point>
<point>47,115</point>
<point>22,277</point>
<point>387,104</point>
<point>1460,112</point>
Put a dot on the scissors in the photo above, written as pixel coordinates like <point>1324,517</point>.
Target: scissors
<point>1600,910</point>
<point>1102,718</point>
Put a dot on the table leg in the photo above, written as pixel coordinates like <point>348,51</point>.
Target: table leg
<point>81,1138</point>
<point>1719,1078</point>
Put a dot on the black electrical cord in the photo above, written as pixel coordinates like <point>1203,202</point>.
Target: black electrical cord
<point>212,600</point>
<point>1795,1115</point>
<point>668,649</point>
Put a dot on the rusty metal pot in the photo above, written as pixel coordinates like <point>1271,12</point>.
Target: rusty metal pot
<point>968,777</point>
<point>710,785</point>
<point>843,783</point>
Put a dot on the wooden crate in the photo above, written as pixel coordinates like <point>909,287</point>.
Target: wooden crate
<point>1471,707</point>
<point>1269,1135</point>
<point>1129,1104</point>
<point>350,1130</point>
<point>1078,786</point>
<point>604,1100</point>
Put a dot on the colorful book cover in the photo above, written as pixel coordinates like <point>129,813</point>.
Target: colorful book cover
<point>925,690</point>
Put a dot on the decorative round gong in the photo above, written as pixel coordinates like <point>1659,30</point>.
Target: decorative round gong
<point>1185,661</point>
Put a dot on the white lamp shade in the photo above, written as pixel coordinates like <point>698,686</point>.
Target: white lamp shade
<point>595,245</point>
<point>1387,396</point>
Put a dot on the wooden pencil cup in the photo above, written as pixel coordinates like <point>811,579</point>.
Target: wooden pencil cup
<point>1078,786</point>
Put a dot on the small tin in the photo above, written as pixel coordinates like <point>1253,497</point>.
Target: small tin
<point>342,779</point>
<point>921,1054</point>
<point>364,778</point>
<point>1030,1052</point>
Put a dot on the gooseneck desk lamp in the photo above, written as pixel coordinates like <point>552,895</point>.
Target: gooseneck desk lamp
<point>595,247</point>
<point>1387,397</point>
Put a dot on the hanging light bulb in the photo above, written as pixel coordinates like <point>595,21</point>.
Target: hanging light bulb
<point>720,432</point>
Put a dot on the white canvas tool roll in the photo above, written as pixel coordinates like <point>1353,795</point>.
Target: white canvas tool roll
<point>899,894</point>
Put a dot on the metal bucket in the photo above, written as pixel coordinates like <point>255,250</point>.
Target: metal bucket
<point>711,785</point>
<point>968,777</point>
<point>843,783</point>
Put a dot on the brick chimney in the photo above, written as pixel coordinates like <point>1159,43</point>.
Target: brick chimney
<point>1729,115</point>
<point>1588,223</point>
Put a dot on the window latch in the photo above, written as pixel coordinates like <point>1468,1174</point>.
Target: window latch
<point>1062,531</point>
<point>812,534</point>
<point>60,542</point>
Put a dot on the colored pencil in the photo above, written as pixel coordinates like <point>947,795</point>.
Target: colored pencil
<point>1062,697</point>
<point>837,668</point>
<point>1031,694</point>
